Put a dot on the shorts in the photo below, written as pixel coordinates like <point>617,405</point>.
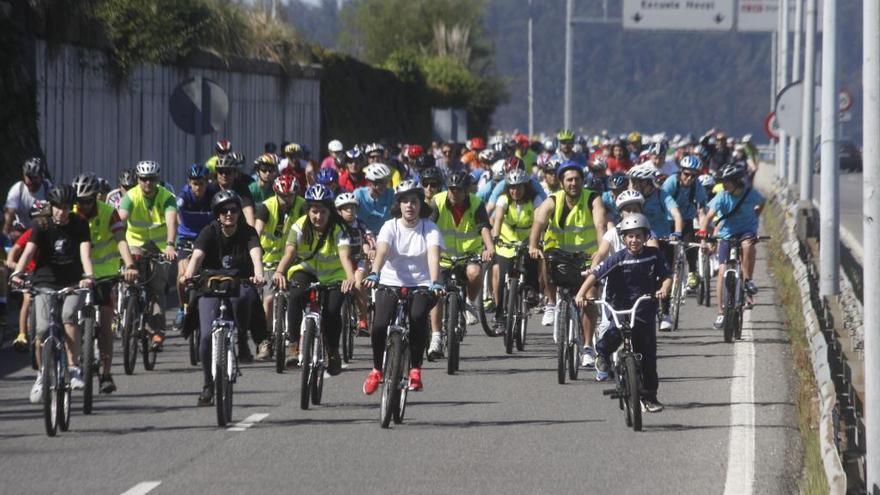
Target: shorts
<point>72,304</point>
<point>185,247</point>
<point>724,245</point>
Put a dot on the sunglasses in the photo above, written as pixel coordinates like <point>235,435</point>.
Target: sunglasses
<point>688,174</point>
<point>225,171</point>
<point>148,179</point>
<point>432,185</point>
<point>229,211</point>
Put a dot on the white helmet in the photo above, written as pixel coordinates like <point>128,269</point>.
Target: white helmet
<point>633,222</point>
<point>377,171</point>
<point>409,186</point>
<point>335,145</point>
<point>374,148</point>
<point>707,180</point>
<point>645,171</point>
<point>486,155</point>
<point>498,170</point>
<point>344,199</point>
<point>147,168</point>
<point>629,197</point>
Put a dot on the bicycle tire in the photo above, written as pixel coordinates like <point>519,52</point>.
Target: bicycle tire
<point>305,350</point>
<point>347,331</point>
<point>522,321</point>
<point>400,410</point>
<point>512,322</point>
<point>221,379</point>
<point>88,363</point>
<point>729,311</point>
<point>193,342</point>
<point>453,313</point>
<point>618,385</point>
<point>279,330</point>
<point>738,329</point>
<point>129,341</point>
<point>50,399</point>
<point>317,381</point>
<point>562,342</point>
<point>391,388</point>
<point>148,350</point>
<point>677,299</point>
<point>633,384</point>
<point>32,339</point>
<point>481,310</point>
<point>64,392</point>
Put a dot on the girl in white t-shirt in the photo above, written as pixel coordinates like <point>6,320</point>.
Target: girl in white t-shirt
<point>407,255</point>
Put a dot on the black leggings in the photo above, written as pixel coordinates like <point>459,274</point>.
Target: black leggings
<point>504,265</point>
<point>331,309</point>
<point>209,308</point>
<point>386,306</point>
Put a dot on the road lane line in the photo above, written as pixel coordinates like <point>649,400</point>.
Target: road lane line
<point>248,422</point>
<point>741,447</point>
<point>142,488</point>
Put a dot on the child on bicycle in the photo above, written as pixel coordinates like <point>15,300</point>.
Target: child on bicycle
<point>362,250</point>
<point>631,273</point>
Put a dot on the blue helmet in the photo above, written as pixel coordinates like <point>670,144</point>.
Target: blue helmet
<point>197,171</point>
<point>569,165</point>
<point>326,175</point>
<point>618,181</point>
<point>319,194</point>
<point>690,162</point>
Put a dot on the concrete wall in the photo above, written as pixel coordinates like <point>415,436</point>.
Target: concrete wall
<point>87,123</point>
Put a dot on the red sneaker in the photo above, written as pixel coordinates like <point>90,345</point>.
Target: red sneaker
<point>372,382</point>
<point>415,379</point>
<point>363,329</point>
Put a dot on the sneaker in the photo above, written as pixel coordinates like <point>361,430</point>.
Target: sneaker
<point>334,363</point>
<point>263,352</point>
<point>588,357</point>
<point>488,305</point>
<point>470,314</point>
<point>178,320</point>
<point>602,376</point>
<point>651,405</point>
<point>37,390</point>
<point>665,323</point>
<point>719,322</point>
<point>106,384</point>
<point>372,382</point>
<point>363,329</point>
<point>76,380</point>
<point>692,281</point>
<point>435,351</point>
<point>601,363</point>
<point>292,356</point>
<point>549,316</point>
<point>206,398</point>
<point>415,380</point>
<point>751,288</point>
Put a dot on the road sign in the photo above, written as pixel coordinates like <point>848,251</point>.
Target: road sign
<point>789,109</point>
<point>761,15</point>
<point>771,126</point>
<point>845,100</point>
<point>191,100</point>
<point>679,15</point>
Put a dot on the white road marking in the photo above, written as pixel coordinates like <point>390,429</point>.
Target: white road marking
<point>142,488</point>
<point>248,422</point>
<point>741,447</point>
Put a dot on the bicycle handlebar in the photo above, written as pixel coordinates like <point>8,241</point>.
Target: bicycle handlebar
<point>617,313</point>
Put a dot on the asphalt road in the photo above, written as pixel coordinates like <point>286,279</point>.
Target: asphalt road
<point>503,425</point>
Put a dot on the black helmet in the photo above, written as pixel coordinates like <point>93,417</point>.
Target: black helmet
<point>222,198</point>
<point>732,171</point>
<point>619,181</point>
<point>424,161</point>
<point>63,194</point>
<point>459,178</point>
<point>33,166</point>
<point>86,186</point>
<point>127,179</point>
<point>231,160</point>
<point>431,174</point>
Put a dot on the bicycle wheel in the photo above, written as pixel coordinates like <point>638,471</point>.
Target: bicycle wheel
<point>129,340</point>
<point>522,320</point>
<point>308,341</point>
<point>221,382</point>
<point>147,348</point>
<point>676,299</point>
<point>88,363</point>
<point>279,328</point>
<point>562,340</point>
<point>510,326</point>
<point>485,297</point>
<point>453,310</point>
<point>32,337</point>
<point>63,391</point>
<point>49,375</point>
<point>400,410</point>
<point>729,309</point>
<point>619,387</point>
<point>317,379</point>
<point>393,374</point>
<point>633,385</point>
<point>347,330</point>
<point>193,341</point>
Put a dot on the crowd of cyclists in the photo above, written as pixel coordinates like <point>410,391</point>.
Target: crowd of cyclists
<point>392,215</point>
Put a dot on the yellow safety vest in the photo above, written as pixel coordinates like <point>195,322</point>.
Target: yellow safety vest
<point>576,233</point>
<point>462,239</point>
<point>516,226</point>
<point>147,224</point>
<point>272,244</point>
<point>325,263</point>
<point>105,254</point>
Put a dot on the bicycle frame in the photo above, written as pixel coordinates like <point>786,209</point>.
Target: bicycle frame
<point>312,313</point>
<point>224,330</point>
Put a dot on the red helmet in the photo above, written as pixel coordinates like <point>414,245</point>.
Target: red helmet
<point>513,163</point>
<point>477,144</point>
<point>521,139</point>
<point>223,146</point>
<point>414,150</point>
<point>286,184</point>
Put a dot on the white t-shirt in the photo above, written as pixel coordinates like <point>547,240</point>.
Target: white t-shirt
<point>20,199</point>
<point>614,239</point>
<point>407,262</point>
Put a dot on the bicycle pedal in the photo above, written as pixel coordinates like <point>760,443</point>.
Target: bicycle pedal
<point>610,391</point>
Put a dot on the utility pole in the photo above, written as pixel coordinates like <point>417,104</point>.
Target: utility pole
<point>829,248</point>
<point>871,232</point>
<point>782,148</point>
<point>531,76</point>
<point>796,75</point>
<point>569,60</point>
<point>808,126</point>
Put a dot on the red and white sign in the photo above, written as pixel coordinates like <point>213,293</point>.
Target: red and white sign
<point>844,100</point>
<point>771,126</point>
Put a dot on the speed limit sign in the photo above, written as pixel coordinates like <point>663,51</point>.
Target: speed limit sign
<point>844,100</point>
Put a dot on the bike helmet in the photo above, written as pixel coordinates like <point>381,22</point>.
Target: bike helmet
<point>498,170</point>
<point>33,167</point>
<point>690,162</point>
<point>285,185</point>
<point>706,180</point>
<point>486,155</point>
<point>634,137</point>
<point>513,163</point>
<point>63,194</point>
<point>645,171</point>
<point>334,146</point>
<point>147,168</point>
<point>292,149</point>
<point>414,151</point>
<point>635,221</point>
<point>326,175</point>
<point>629,197</point>
<point>269,160</point>
<point>223,147</point>
<point>319,194</point>
<point>424,161</point>
<point>459,179</point>
<point>345,199</point>
<point>232,160</point>
<point>86,186</point>
<point>377,171</point>
<point>618,181</point>
<point>565,135</point>
<point>551,165</point>
<point>222,198</point>
<point>354,155</point>
<point>431,174</point>
<point>732,171</point>
<point>549,145</point>
<point>197,171</point>
<point>477,144</point>
<point>567,165</point>
<point>599,163</point>
<point>127,179</point>
<point>40,208</point>
<point>516,177</point>
<point>409,186</point>
<point>375,148</point>
<point>104,186</point>
<point>521,139</point>
<point>659,148</point>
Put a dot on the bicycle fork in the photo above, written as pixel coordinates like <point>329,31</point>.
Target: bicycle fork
<point>223,333</point>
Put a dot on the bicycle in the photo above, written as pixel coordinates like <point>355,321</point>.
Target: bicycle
<point>454,324</point>
<point>134,318</point>
<point>733,291</point>
<point>679,278</point>
<point>396,362</point>
<point>311,348</point>
<point>566,272</point>
<point>184,250</point>
<point>349,326</point>
<point>704,277</point>
<point>90,320</point>
<point>626,364</point>
<point>487,302</point>
<point>280,331</point>
<point>517,296</point>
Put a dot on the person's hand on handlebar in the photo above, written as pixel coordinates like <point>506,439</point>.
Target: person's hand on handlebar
<point>436,288</point>
<point>279,280</point>
<point>16,280</point>
<point>347,285</point>
<point>371,281</point>
<point>661,294</point>
<point>258,279</point>
<point>170,253</point>
<point>87,282</point>
<point>488,254</point>
<point>536,253</point>
<point>130,274</point>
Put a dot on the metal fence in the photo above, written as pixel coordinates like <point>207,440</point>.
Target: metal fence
<point>87,123</point>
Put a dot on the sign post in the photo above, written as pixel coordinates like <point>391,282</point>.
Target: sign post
<point>199,106</point>
<point>680,15</point>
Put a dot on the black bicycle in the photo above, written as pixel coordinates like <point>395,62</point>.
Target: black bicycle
<point>566,271</point>
<point>517,297</point>
<point>679,278</point>
<point>135,335</point>
<point>349,325</point>
<point>280,330</point>
<point>734,295</point>
<point>454,326</point>
<point>90,322</point>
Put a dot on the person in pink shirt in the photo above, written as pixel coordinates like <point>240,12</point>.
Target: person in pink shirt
<point>335,159</point>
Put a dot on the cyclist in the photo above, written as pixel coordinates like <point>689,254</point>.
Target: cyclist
<point>665,168</point>
<point>292,164</point>
<point>628,202</point>
<point>464,225</point>
<point>513,214</point>
<point>480,165</point>
<point>598,176</point>
<point>229,178</point>
<point>22,195</point>
<point>329,178</point>
<point>513,163</point>
<point>353,176</point>
<point>150,213</point>
<point>490,180</point>
<point>64,260</point>
<point>524,152</point>
<point>226,243</point>
<point>107,234</point>
<point>334,158</point>
<point>574,220</point>
<point>40,213</point>
<point>362,250</point>
<point>126,181</point>
<point>266,167</point>
<point>550,184</point>
<point>375,200</point>
<point>319,245</point>
<point>104,189</point>
<point>221,148</point>
<point>565,151</point>
<point>274,218</point>
<point>631,273</point>
<point>433,181</point>
<point>633,143</point>
<point>193,214</point>
<point>707,181</point>
<point>407,255</point>
<point>617,183</point>
<point>691,199</point>
<point>619,160</point>
<point>739,207</point>
<point>664,217</point>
